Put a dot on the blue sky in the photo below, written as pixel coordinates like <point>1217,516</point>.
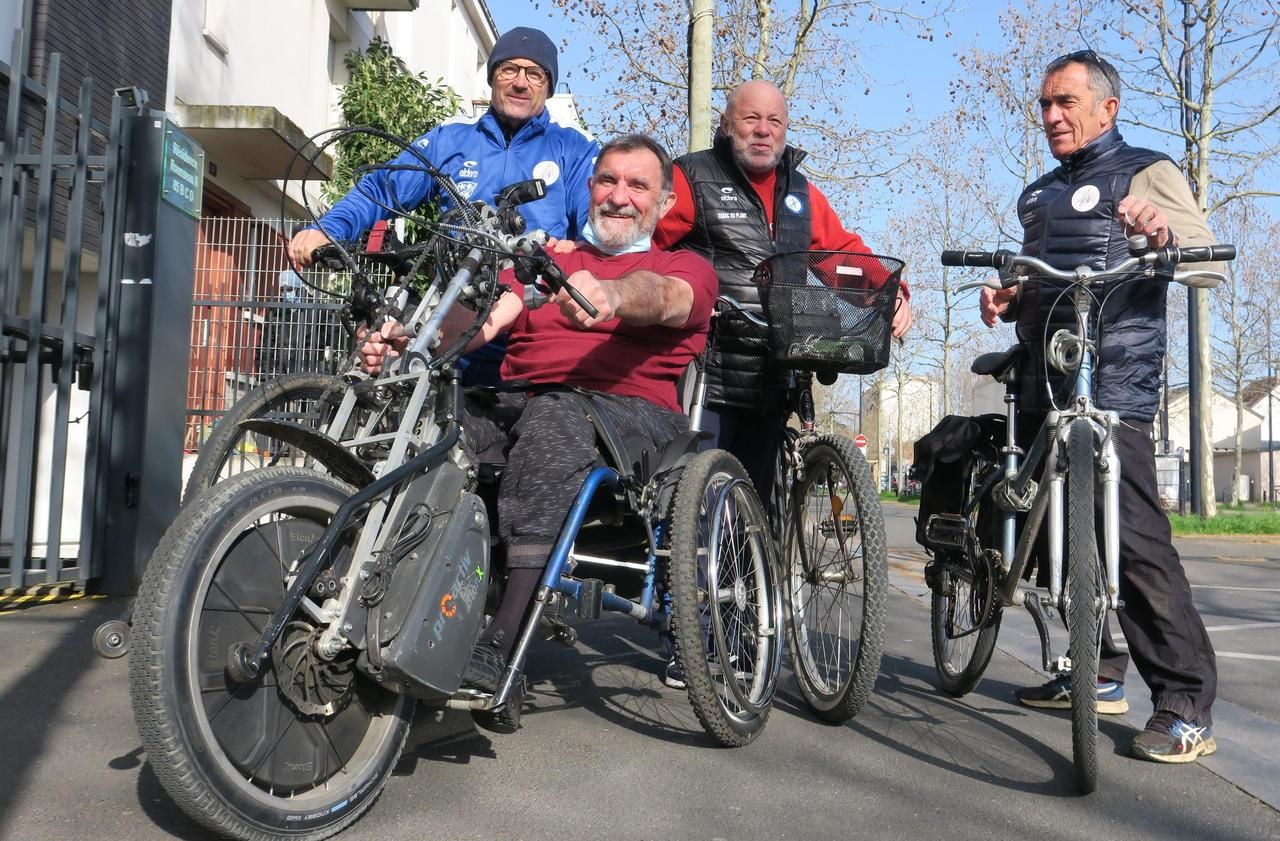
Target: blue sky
<point>919,67</point>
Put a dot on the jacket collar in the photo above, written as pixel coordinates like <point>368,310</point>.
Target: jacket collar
<point>533,127</point>
<point>723,147</point>
<point>1092,150</point>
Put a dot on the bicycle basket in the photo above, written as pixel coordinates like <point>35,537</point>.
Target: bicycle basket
<point>829,310</point>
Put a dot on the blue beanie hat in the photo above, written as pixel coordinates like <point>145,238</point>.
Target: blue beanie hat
<point>526,42</point>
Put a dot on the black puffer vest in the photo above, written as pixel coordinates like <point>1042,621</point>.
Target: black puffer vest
<point>732,231</point>
<point>1069,219</point>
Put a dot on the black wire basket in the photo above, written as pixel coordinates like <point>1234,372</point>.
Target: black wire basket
<point>830,310</point>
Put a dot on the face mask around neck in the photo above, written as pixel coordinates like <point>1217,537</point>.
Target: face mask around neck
<point>590,235</point>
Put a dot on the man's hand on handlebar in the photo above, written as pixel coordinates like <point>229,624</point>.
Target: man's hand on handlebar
<point>303,243</point>
<point>1142,217</point>
<point>995,302</point>
<point>388,340</point>
<point>602,296</point>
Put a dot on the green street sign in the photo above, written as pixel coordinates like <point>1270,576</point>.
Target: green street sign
<point>182,179</point>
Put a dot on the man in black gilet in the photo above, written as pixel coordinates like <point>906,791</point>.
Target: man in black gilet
<point>1081,213</point>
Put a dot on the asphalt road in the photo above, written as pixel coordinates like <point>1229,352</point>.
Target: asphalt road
<point>607,751</point>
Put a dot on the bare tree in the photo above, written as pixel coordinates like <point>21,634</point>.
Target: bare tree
<point>1206,71</point>
<point>1241,308</point>
<point>810,48</point>
<point>949,208</point>
<point>997,93</point>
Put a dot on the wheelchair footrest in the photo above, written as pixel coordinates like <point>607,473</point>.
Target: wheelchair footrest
<point>946,531</point>
<point>592,596</point>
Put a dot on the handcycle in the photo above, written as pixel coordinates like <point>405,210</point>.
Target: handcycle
<point>980,555</point>
<point>291,617</point>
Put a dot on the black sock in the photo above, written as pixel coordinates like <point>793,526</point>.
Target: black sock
<point>521,584</point>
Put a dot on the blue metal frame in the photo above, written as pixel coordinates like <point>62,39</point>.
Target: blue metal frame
<point>553,577</point>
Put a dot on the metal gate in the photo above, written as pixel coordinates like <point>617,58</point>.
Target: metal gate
<point>61,199</point>
<point>252,318</point>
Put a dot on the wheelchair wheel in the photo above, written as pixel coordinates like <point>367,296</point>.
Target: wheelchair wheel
<point>837,578</point>
<point>302,750</point>
<point>726,606</point>
<point>306,398</point>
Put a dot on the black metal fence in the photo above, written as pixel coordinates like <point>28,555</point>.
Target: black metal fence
<point>55,301</point>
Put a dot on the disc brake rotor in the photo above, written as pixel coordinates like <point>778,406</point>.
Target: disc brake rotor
<point>311,684</point>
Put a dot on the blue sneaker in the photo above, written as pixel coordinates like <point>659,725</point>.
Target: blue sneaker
<point>1056,695</point>
<point>1168,738</point>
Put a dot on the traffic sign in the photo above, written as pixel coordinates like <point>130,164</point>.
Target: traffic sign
<point>860,441</point>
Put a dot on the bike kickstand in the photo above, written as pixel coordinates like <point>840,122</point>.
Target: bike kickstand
<point>1031,601</point>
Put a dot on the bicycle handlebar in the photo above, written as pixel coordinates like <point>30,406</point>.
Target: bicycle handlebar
<point>1016,268</point>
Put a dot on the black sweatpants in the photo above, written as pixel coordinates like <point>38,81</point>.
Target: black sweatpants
<point>550,447</point>
<point>1167,638</point>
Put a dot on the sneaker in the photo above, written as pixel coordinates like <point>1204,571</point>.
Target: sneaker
<point>1056,695</point>
<point>1168,738</point>
<point>484,670</point>
<point>674,675</point>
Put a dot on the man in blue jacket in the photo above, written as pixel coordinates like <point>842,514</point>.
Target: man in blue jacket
<point>513,141</point>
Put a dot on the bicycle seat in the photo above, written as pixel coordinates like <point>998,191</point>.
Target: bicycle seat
<point>1000,365</point>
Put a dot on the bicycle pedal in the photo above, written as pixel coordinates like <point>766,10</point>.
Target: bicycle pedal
<point>946,531</point>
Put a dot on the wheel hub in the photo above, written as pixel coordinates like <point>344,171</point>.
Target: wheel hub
<point>311,684</point>
<point>740,594</point>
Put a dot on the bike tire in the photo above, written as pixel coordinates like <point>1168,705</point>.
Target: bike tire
<point>728,638</point>
<point>836,592</point>
<point>1084,616</point>
<point>247,760</point>
<point>230,450</point>
<point>961,649</point>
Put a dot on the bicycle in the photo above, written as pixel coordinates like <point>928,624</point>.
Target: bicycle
<point>290,618</point>
<point>979,555</point>
<point>826,312</point>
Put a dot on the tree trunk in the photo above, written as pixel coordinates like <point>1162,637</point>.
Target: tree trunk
<point>701,26</point>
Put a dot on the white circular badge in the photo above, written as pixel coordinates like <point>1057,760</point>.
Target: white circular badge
<point>548,171</point>
<point>1086,198</point>
<point>792,203</point>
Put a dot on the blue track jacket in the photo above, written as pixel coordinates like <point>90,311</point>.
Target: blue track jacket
<point>475,154</point>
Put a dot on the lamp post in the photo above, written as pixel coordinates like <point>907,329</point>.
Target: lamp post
<point>1271,441</point>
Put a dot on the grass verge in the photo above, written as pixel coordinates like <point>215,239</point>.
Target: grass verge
<point>1227,522</point>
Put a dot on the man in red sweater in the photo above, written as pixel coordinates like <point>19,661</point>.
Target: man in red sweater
<point>653,311</point>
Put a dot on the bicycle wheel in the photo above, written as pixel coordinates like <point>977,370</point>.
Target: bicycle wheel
<point>299,752</point>
<point>837,578</point>
<point>308,398</point>
<point>725,604</point>
<point>1083,610</point>
<point>964,612</point>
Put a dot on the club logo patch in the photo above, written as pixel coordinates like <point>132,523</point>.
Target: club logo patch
<point>1086,198</point>
<point>548,171</point>
<point>792,202</point>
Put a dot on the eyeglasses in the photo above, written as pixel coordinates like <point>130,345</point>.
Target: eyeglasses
<point>507,71</point>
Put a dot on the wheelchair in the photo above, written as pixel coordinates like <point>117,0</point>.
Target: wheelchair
<point>292,616</point>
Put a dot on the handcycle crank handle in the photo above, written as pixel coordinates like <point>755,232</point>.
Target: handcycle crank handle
<point>557,280</point>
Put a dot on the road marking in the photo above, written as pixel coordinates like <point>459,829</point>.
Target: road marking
<point>1225,587</point>
<point>1243,627</point>
<point>1238,655</point>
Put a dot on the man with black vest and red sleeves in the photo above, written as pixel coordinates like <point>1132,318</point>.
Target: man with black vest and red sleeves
<point>1082,212</point>
<point>737,204</point>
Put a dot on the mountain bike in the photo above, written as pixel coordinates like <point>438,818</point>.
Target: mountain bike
<point>980,554</point>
